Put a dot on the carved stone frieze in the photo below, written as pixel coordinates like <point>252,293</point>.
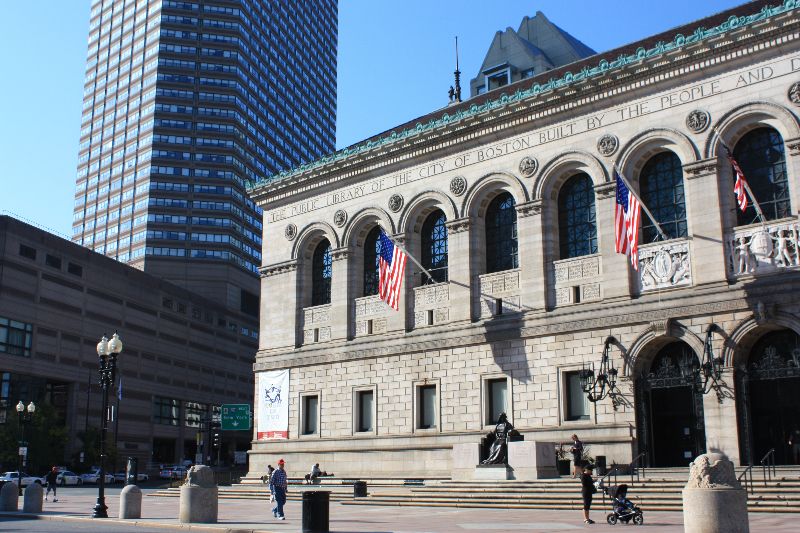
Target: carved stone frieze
<point>316,335</point>
<point>278,268</point>
<point>290,232</point>
<point>527,209</point>
<point>340,217</point>
<point>458,225</point>
<point>698,120</point>
<point>458,185</point>
<point>763,250</point>
<point>664,265</point>
<point>369,306</point>
<point>319,314</point>
<point>429,296</point>
<point>396,202</point>
<point>607,145</point>
<point>794,93</point>
<point>528,166</point>
<point>379,325</point>
<point>499,283</point>
<point>579,268</point>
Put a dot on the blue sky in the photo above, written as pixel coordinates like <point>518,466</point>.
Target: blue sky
<point>396,62</point>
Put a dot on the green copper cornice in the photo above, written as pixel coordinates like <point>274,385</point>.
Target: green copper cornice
<point>603,67</point>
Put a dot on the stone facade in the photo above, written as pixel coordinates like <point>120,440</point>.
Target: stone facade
<point>535,324</point>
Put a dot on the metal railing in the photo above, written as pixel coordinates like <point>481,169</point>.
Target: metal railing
<point>746,478</point>
<point>768,466</point>
<point>635,469</point>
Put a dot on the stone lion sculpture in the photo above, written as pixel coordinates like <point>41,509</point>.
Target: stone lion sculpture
<point>200,476</point>
<point>711,471</point>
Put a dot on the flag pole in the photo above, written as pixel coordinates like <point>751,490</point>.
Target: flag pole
<point>641,203</point>
<point>413,259</point>
<point>747,188</point>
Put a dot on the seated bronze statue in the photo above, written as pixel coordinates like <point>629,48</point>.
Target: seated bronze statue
<point>498,452</point>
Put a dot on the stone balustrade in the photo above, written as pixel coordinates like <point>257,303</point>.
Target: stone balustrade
<point>316,324</point>
<point>577,279</point>
<point>431,304</point>
<point>499,293</point>
<point>768,249</point>
<point>371,315</point>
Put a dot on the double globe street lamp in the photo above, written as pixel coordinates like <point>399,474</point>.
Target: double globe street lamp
<point>107,352</point>
<point>24,417</point>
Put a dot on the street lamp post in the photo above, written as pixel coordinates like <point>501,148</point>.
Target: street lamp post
<point>24,416</point>
<point>107,352</point>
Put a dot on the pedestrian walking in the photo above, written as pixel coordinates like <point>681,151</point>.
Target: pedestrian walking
<point>51,479</point>
<point>587,491</point>
<point>279,486</point>
<point>577,456</point>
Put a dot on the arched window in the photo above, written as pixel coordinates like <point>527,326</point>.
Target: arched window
<point>434,246</point>
<point>760,154</point>
<point>372,245</point>
<point>321,273</point>
<point>577,231</point>
<point>501,234</point>
<point>661,189</point>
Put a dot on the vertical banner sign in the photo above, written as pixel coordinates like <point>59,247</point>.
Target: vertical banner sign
<point>273,405</point>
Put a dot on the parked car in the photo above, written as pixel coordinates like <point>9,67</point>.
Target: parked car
<point>67,477</point>
<point>26,478</point>
<point>142,477</point>
<point>93,476</point>
<point>172,472</point>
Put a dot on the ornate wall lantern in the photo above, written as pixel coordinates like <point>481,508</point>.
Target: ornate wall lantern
<point>603,383</point>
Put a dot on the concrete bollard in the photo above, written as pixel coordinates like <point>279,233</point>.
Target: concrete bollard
<point>130,502</point>
<point>713,499</point>
<point>198,503</point>
<point>32,499</point>
<point>9,497</point>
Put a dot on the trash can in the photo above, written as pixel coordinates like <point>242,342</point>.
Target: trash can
<point>600,465</point>
<point>132,471</point>
<point>360,489</point>
<point>315,511</point>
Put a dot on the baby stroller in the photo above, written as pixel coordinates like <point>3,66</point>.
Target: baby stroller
<point>623,509</point>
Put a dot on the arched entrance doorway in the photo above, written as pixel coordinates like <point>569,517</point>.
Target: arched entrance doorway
<point>768,389</point>
<point>670,424</point>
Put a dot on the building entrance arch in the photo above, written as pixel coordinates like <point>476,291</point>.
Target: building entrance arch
<point>670,420</point>
<point>768,387</point>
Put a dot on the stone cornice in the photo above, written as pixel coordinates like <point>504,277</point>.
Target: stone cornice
<point>605,190</point>
<point>276,269</point>
<point>701,49</point>
<point>533,324</point>
<point>527,209</point>
<point>794,146</point>
<point>701,168</point>
<point>458,225</point>
<point>338,254</point>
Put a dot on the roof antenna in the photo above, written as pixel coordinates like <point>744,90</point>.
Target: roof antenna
<point>455,93</point>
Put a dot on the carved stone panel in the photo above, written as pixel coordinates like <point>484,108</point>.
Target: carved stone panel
<point>429,296</point>
<point>794,93</point>
<point>369,306</point>
<point>499,286</point>
<point>763,250</point>
<point>316,315</point>
<point>458,185</point>
<point>607,144</point>
<point>665,265</point>
<point>579,274</point>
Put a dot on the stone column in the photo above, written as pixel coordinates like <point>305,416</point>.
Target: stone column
<point>340,293</point>
<point>458,268</point>
<point>279,315</point>
<point>32,499</point>
<point>130,502</point>
<point>793,169</point>
<point>615,269</point>
<point>531,250</point>
<point>702,190</point>
<point>713,499</point>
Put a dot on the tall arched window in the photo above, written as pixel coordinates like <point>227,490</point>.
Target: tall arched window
<point>760,153</point>
<point>321,274</point>
<point>661,189</point>
<point>372,250</point>
<point>434,246</point>
<point>577,230</point>
<point>501,234</point>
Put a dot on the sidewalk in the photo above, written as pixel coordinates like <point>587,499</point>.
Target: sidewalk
<point>251,516</point>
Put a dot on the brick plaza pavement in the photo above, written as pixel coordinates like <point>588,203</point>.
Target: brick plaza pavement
<point>244,516</point>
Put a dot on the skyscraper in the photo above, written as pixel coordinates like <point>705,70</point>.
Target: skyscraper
<point>184,103</point>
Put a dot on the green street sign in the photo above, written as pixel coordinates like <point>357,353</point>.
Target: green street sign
<point>235,417</point>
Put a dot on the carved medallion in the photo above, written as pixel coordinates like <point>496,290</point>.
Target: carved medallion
<point>458,185</point>
<point>290,232</point>
<point>528,166</point>
<point>395,202</point>
<point>340,217</point>
<point>607,144</point>
<point>794,93</point>
<point>697,120</point>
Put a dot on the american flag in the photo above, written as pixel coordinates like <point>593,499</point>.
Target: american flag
<point>739,185</point>
<point>626,222</point>
<point>391,268</point>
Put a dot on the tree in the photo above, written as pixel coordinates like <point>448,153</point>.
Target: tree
<point>45,434</point>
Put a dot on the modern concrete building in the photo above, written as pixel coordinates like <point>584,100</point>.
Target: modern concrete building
<point>183,354</point>
<point>184,104</point>
<point>536,47</point>
<point>510,197</point>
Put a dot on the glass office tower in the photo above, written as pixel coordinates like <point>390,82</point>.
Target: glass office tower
<point>184,103</point>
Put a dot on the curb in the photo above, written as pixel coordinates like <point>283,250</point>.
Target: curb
<point>133,522</point>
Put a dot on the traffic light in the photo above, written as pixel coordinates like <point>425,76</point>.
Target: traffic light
<point>216,435</point>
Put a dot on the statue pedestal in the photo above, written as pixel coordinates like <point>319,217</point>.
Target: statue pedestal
<point>465,457</point>
<point>532,460</point>
<point>493,472</point>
